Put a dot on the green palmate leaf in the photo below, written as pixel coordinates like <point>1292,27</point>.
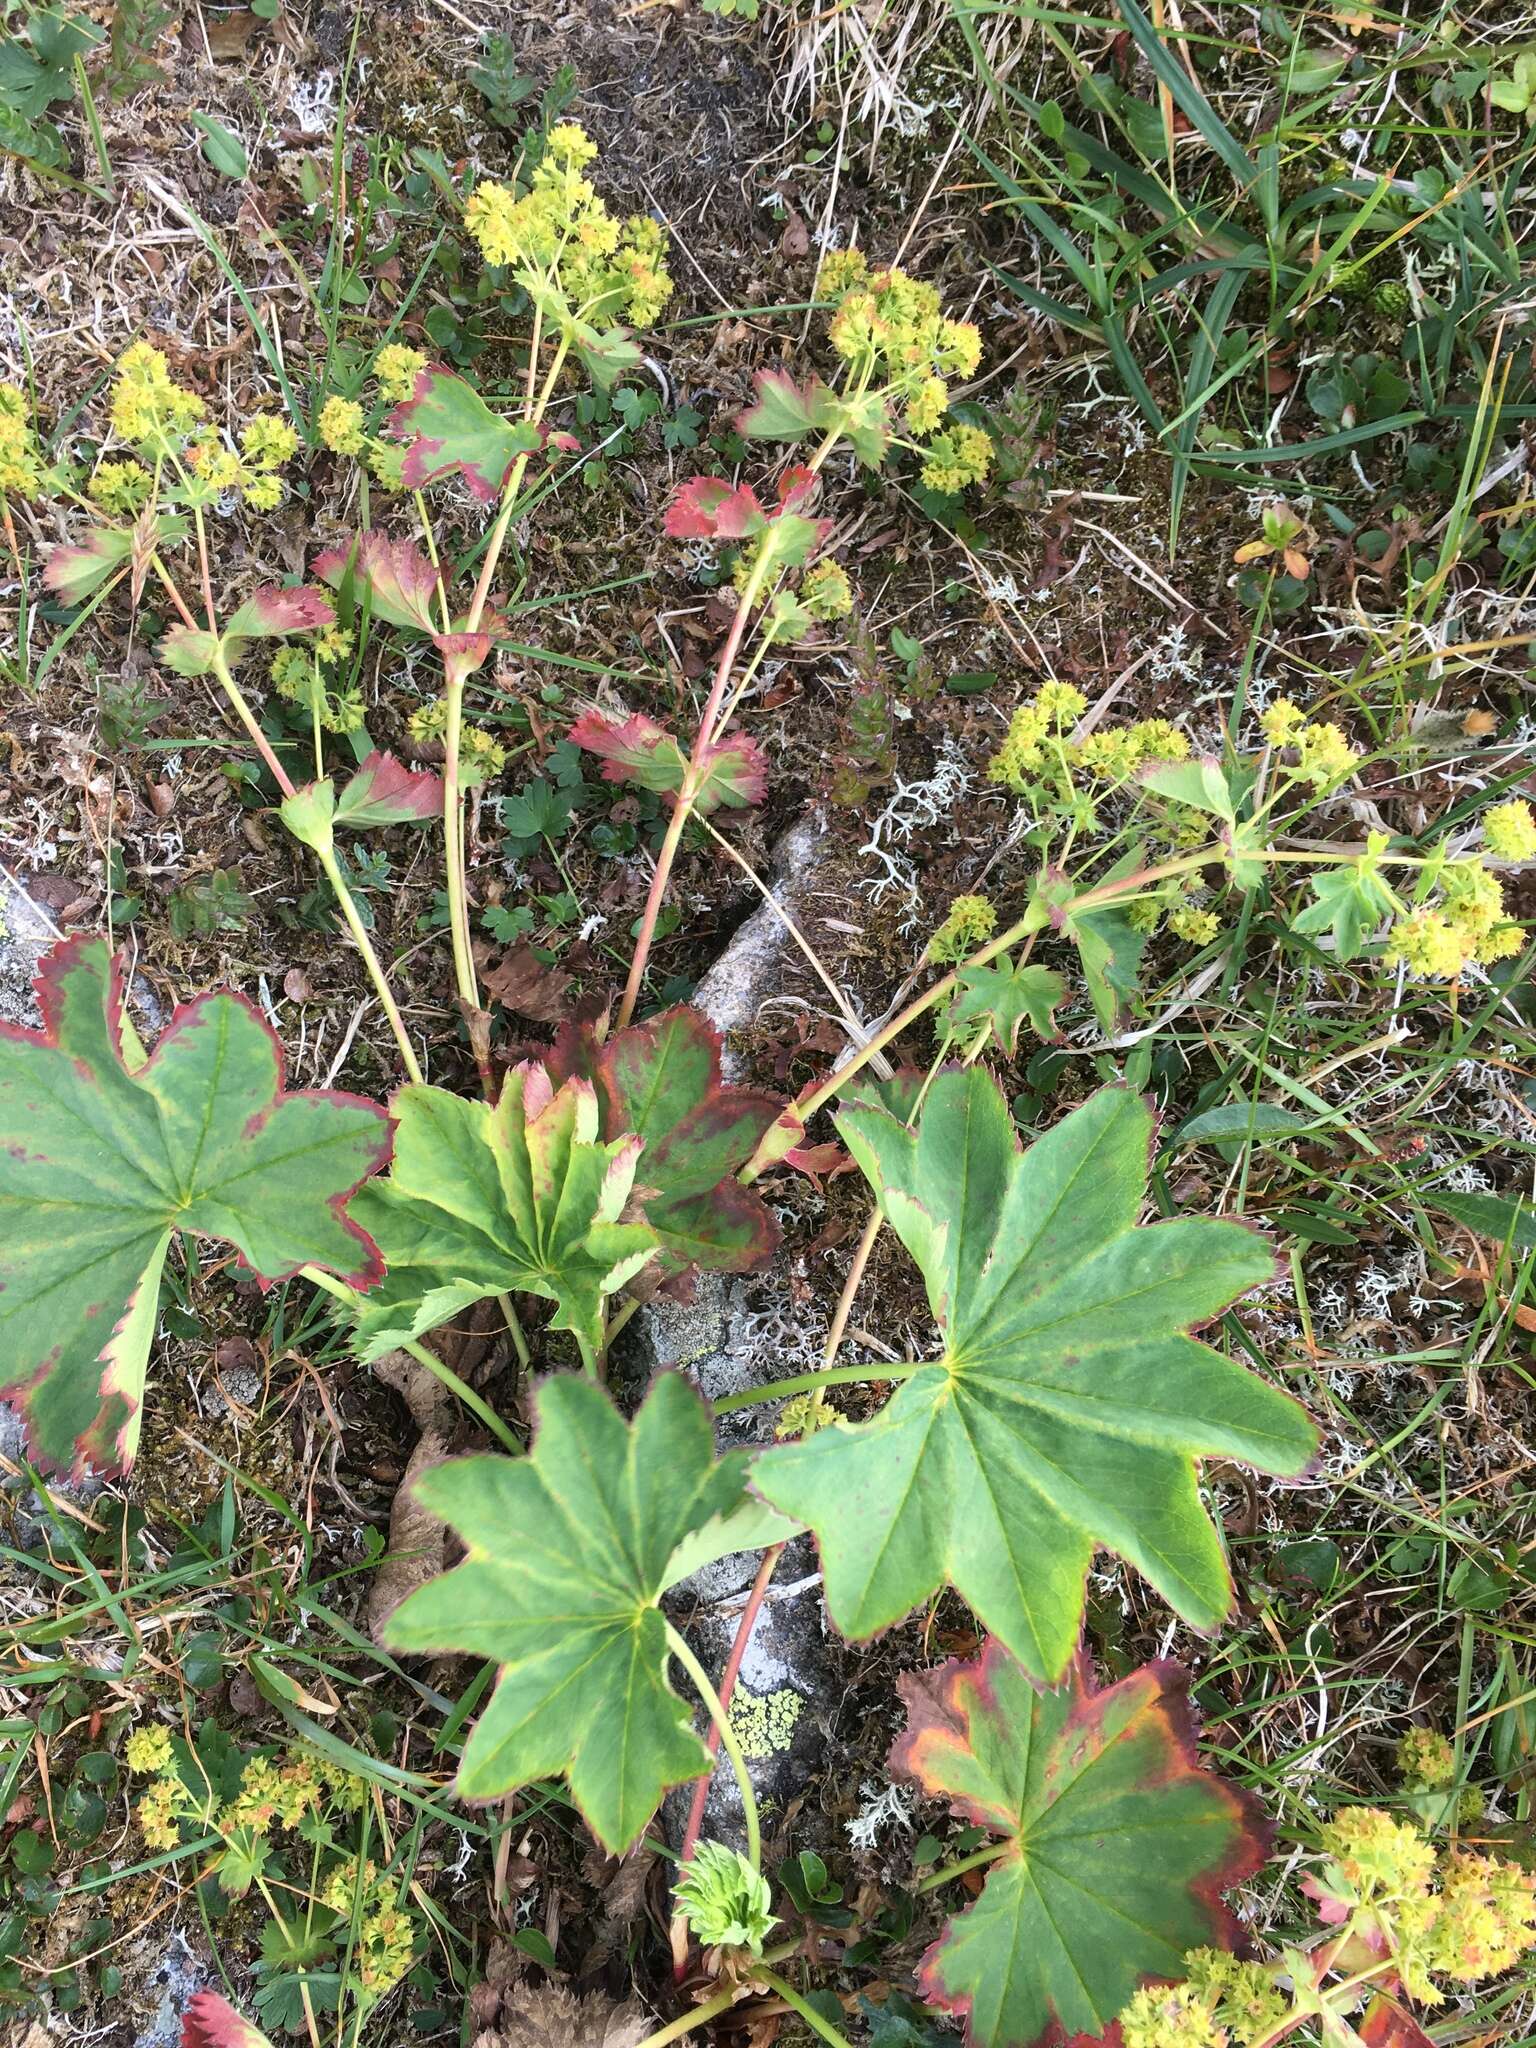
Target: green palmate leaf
<point>73,572</point>
<point>661,1081</point>
<point>451,431</point>
<point>1069,1405</point>
<point>1199,783</point>
<point>1001,995</point>
<point>782,410</point>
<point>1118,1843</point>
<point>99,1167</point>
<point>1108,944</point>
<point>568,1549</point>
<point>519,1198</point>
<point>1350,902</point>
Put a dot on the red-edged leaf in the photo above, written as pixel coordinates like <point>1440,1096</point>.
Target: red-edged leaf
<point>212,2022</point>
<point>451,431</point>
<point>814,1161</point>
<point>708,508</point>
<point>100,1168</point>
<point>661,1081</point>
<point>400,582</point>
<point>637,749</point>
<point>1119,1845</point>
<point>272,611</point>
<point>268,614</point>
<point>74,573</point>
<point>1388,2025</point>
<point>385,792</point>
<point>462,653</point>
<point>797,487</point>
<point>735,774</point>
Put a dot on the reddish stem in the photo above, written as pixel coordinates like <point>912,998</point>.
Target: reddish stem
<point>728,1677</point>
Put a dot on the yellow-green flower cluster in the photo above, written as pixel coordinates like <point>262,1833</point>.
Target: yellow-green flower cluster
<point>481,754</point>
<point>340,426</point>
<point>342,423</point>
<point>1038,749</point>
<point>1509,832</point>
<point>825,591</point>
<point>386,1935</point>
<point>573,258</point>
<point>21,469</point>
<point>970,923</point>
<point>303,675</point>
<point>1467,926</point>
<point>1196,927</point>
<point>266,443</point>
<point>148,1749</point>
<point>1461,1916</point>
<point>891,331</point>
<point>150,411</point>
<point>396,368</point>
<point>1426,1760</point>
<point>1324,755</point>
<point>120,488</point>
<point>957,457</point>
<point>1247,1997</point>
<point>1170,2016</point>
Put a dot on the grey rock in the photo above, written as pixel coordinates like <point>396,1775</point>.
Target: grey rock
<point>733,1334</point>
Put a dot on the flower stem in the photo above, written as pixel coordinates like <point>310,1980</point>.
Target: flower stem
<point>728,1677</point>
<point>728,1742</point>
<point>247,718</point>
<point>365,946</point>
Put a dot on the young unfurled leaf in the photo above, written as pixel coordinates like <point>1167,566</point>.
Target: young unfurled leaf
<point>661,1081</point>
<point>568,1552</point>
<point>1119,1843</point>
<point>270,613</point>
<point>519,1198</point>
<point>1069,1404</point>
<point>212,2022</point>
<point>1001,995</point>
<point>639,750</point>
<point>452,431</point>
<point>100,1167</point>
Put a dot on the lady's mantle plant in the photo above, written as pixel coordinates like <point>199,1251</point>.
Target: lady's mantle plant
<point>1068,1403</point>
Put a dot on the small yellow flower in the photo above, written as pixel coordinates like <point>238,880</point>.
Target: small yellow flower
<point>341,426</point>
<point>262,493</point>
<point>1282,721</point>
<point>957,457</point>
<point>148,1749</point>
<point>1509,832</point>
<point>927,405</point>
<point>841,270</point>
<point>120,487</point>
<point>970,923</point>
<point>1198,927</point>
<point>397,367</point>
<point>20,465</point>
<point>268,442</point>
<point>826,592</point>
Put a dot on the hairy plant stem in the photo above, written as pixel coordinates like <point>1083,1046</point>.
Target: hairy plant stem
<point>690,2022</point>
<point>683,802</point>
<point>803,2007</point>
<point>728,1742</point>
<point>977,1861</point>
<point>371,961</point>
<point>453,794</point>
<point>728,1678</point>
<point>812,1382</point>
<point>459,1388</point>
